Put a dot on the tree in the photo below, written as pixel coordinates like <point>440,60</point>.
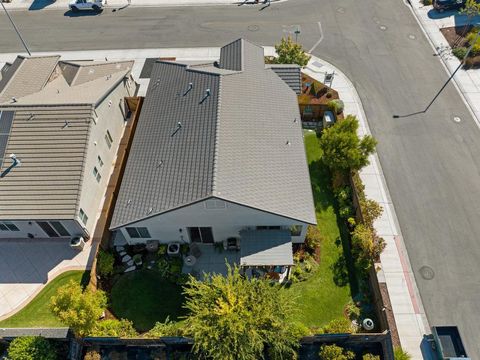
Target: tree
<point>114,328</point>
<point>105,262</point>
<point>371,211</point>
<point>470,9</point>
<point>232,317</point>
<point>343,150</point>
<point>290,52</point>
<point>334,352</point>
<point>78,309</point>
<point>366,246</point>
<point>31,348</point>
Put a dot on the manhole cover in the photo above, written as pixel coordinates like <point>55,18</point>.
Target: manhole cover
<point>341,10</point>
<point>427,272</point>
<point>457,119</point>
<point>412,37</point>
<point>383,27</point>
<point>253,27</point>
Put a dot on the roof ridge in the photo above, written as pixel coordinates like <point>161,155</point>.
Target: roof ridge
<point>215,143</point>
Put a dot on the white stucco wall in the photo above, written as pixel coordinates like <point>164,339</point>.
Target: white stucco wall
<point>111,118</point>
<point>31,227</point>
<point>225,222</point>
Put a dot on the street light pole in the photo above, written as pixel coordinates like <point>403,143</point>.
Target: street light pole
<point>16,30</point>
<point>446,82</point>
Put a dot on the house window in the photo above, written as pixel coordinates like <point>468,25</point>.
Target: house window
<point>59,228</point>
<point>8,226</point>
<point>100,161</point>
<point>83,216</point>
<point>138,232</point>
<point>263,227</point>
<point>108,139</point>
<point>47,228</point>
<point>201,234</point>
<point>296,230</point>
<point>96,174</point>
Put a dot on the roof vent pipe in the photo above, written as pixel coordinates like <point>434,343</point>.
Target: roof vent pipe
<point>207,94</point>
<point>14,99</point>
<point>190,87</point>
<point>16,162</point>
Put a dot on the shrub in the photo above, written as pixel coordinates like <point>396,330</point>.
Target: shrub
<point>304,266</point>
<point>31,348</point>
<point>336,105</point>
<point>114,328</point>
<point>313,238</point>
<point>163,267</point>
<point>290,52</point>
<point>137,259</point>
<point>184,249</point>
<point>371,211</point>
<point>80,310</point>
<point>334,352</point>
<point>370,357</point>
<point>427,2</point>
<point>105,262</point>
<point>459,52</point>
<point>352,310</point>
<point>400,354</point>
<point>162,249</point>
<point>338,326</point>
<point>167,328</point>
<point>92,355</point>
<point>471,38</point>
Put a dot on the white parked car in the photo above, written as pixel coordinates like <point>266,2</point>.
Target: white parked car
<point>95,5</point>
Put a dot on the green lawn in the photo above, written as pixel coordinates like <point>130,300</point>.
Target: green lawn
<point>323,296</point>
<point>144,297</point>
<point>37,312</point>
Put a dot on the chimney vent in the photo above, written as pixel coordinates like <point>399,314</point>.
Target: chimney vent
<point>190,87</point>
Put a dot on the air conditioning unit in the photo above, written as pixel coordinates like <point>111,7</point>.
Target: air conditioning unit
<point>77,242</point>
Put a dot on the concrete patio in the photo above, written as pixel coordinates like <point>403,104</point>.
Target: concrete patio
<point>27,266</point>
<point>212,260</point>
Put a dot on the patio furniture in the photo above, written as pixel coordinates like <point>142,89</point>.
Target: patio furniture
<point>152,245</point>
<point>190,260</point>
<point>195,250</point>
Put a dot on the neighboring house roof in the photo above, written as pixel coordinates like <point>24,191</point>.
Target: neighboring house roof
<point>242,143</point>
<point>290,73</point>
<point>26,75</point>
<point>50,134</point>
<point>49,333</point>
<point>266,248</point>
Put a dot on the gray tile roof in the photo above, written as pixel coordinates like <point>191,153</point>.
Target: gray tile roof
<point>49,333</point>
<point>265,248</point>
<point>27,75</point>
<point>47,184</point>
<point>290,73</point>
<point>243,143</point>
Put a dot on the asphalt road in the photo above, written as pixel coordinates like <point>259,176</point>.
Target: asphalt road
<point>431,162</point>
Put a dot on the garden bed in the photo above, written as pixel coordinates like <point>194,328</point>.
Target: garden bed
<point>456,37</point>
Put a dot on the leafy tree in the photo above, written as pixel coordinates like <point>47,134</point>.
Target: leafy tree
<point>366,246</point>
<point>400,354</point>
<point>338,326</point>
<point>474,40</point>
<point>167,328</point>
<point>114,328</point>
<point>78,309</point>
<point>371,211</point>
<point>105,262</point>
<point>343,150</point>
<point>31,348</point>
<point>290,52</point>
<point>232,317</point>
<point>370,357</point>
<point>470,9</point>
<point>334,352</point>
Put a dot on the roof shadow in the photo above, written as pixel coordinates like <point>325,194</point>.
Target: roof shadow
<point>40,4</point>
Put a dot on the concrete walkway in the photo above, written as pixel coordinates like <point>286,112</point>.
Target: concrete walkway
<point>35,5</point>
<point>466,81</point>
<point>395,268</point>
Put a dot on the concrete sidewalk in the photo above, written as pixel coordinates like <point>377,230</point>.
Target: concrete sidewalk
<point>466,81</point>
<point>35,5</point>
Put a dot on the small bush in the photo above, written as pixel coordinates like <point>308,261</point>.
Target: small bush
<point>370,357</point>
<point>92,355</point>
<point>427,2</point>
<point>114,328</point>
<point>31,348</point>
<point>400,354</point>
<point>163,267</point>
<point>338,326</point>
<point>334,352</point>
<point>313,238</point>
<point>336,105</point>
<point>352,310</point>
<point>460,52</point>
<point>137,259</point>
<point>184,249</point>
<point>167,328</point>
<point>105,262</point>
<point>304,266</point>
<point>162,249</point>
<point>471,38</point>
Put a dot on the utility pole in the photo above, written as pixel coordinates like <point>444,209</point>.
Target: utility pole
<point>16,30</point>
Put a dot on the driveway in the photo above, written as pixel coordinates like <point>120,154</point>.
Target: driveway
<point>27,266</point>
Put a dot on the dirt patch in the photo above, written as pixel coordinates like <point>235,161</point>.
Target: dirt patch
<point>456,37</point>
